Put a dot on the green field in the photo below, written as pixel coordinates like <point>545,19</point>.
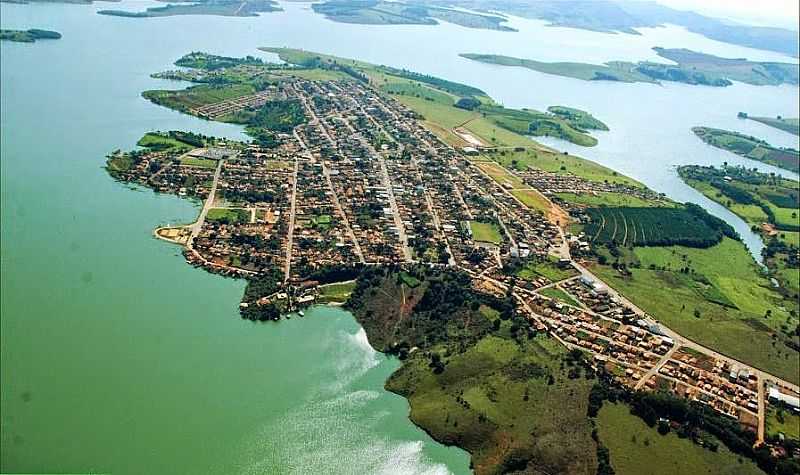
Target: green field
<point>338,292</point>
<point>787,125</point>
<point>532,199</point>
<point>577,118</point>
<point>473,375</point>
<point>635,448</point>
<point>228,216</point>
<point>758,198</point>
<point>197,96</point>
<point>558,294</point>
<point>199,162</point>
<point>783,421</point>
<point>161,142</point>
<point>552,161</point>
<point>547,269</point>
<point>485,232</point>
<point>723,273</point>
<point>750,147</point>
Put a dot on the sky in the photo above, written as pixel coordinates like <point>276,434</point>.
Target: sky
<point>782,13</point>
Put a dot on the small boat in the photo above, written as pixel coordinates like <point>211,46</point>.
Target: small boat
<point>301,313</point>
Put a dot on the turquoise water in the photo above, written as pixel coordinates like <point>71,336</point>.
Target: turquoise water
<point>118,357</point>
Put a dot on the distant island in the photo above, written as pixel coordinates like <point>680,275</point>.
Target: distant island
<point>787,125</point>
<point>29,36</point>
<point>750,147</point>
<point>692,68</point>
<point>624,16</point>
<point>202,7</point>
<point>375,12</point>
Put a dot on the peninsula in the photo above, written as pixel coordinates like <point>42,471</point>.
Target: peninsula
<point>692,68</point>
<point>769,203</point>
<point>527,292</point>
<point>376,12</point>
<point>202,7</point>
<point>28,36</point>
<point>750,147</point>
<point>782,123</point>
<point>625,16</point>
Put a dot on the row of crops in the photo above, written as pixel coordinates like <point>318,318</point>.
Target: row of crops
<point>623,226</point>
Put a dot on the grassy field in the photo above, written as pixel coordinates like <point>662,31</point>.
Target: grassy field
<point>161,142</point>
<point>197,96</point>
<point>790,426</point>
<point>547,269</point>
<point>723,273</point>
<point>481,391</point>
<point>532,199</point>
<point>635,448</point>
<point>199,162</point>
<point>749,147</point>
<point>228,216</point>
<point>551,161</point>
<point>485,232</point>
<point>558,294</point>
<point>476,380</point>
<point>500,174</point>
<point>338,292</point>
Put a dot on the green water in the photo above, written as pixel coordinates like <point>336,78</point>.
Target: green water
<point>117,356</point>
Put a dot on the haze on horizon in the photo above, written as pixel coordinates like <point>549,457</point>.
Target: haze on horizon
<point>776,13</point>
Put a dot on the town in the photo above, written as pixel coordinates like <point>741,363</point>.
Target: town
<point>360,182</point>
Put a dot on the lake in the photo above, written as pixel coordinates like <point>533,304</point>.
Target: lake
<point>118,357</point>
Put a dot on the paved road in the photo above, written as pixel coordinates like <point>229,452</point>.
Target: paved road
<point>290,234</point>
<point>198,225</point>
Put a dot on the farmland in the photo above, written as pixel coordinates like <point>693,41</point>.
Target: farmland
<point>750,147</point>
<point>196,96</point>
<point>767,203</point>
<point>691,291</point>
<point>633,445</point>
<point>624,226</point>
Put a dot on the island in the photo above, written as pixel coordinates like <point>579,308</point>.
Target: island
<point>769,203</point>
<point>202,7</point>
<point>29,36</point>
<point>781,123</point>
<point>533,297</point>
<point>376,12</point>
<point>692,68</point>
<point>625,16</point>
<point>750,147</point>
